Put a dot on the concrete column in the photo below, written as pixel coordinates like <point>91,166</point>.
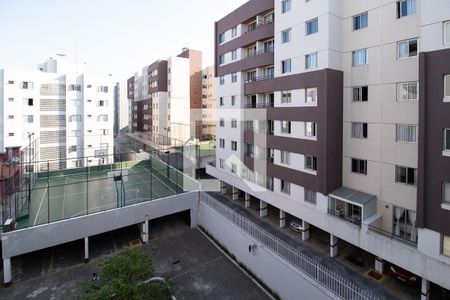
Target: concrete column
<point>305,231</point>
<point>7,274</point>
<point>234,193</point>
<point>333,245</point>
<point>262,209</point>
<point>144,232</point>
<point>379,265</point>
<point>86,249</point>
<point>223,188</point>
<point>247,200</point>
<point>425,291</point>
<point>282,219</point>
<point>194,218</point>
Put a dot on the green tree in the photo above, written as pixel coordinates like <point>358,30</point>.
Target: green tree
<point>125,276</point>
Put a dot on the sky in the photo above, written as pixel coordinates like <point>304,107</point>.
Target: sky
<point>115,37</point>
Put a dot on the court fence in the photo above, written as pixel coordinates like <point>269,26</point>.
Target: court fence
<point>319,274</point>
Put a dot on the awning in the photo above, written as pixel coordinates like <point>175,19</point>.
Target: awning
<point>367,202</point>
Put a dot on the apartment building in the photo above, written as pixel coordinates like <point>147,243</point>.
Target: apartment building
<point>208,113</point>
<point>166,99</point>
<point>69,111</point>
<point>335,112</point>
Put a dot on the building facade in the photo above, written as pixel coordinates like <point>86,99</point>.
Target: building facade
<point>208,131</point>
<point>69,111</point>
<point>335,112</point>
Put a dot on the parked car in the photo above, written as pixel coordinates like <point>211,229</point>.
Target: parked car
<point>404,275</point>
<point>296,226</point>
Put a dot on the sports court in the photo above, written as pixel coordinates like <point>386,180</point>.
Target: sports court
<point>59,195</point>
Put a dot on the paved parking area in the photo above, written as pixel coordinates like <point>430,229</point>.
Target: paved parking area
<point>196,268</point>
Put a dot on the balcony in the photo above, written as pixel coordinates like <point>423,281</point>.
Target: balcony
<point>404,230</point>
<point>259,78</point>
<point>251,53</point>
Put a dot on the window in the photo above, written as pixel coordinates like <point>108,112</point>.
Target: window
<point>310,162</point>
<point>407,49</point>
<point>446,193</point>
<point>285,157</point>
<point>89,86</point>
<point>11,134</point>
<point>222,143</point>
<point>234,145</point>
<point>222,122</point>
<point>234,55</point>
<point>286,36</point>
<point>74,87</point>
<point>361,94</point>
<point>233,77</point>
<point>286,66</point>
<point>406,133</point>
<point>221,38</point>
<point>103,103</point>
<point>30,101</point>
<point>447,139</point>
<point>75,118</point>
<point>285,126</point>
<point>234,32</point>
<point>221,59</point>
<point>446,33</point>
<point>360,57</point>
<point>311,95</point>
<point>310,129</point>
<point>221,103</point>
<point>233,100</point>
<point>312,26</point>
<point>405,175</point>
<point>286,97</point>
<point>104,131</point>
<point>311,61</point>
<point>407,91</point>
<point>360,21</point>
<point>359,130</point>
<point>104,118</point>
<point>76,133</point>
<point>103,89</point>
<point>11,99</point>
<point>406,8</point>
<point>29,118</point>
<point>447,88</point>
<point>233,123</point>
<point>310,196</point>
<point>285,6</point>
<point>221,80</point>
<point>26,85</point>
<point>359,166</point>
<point>285,187</point>
<point>269,46</point>
<point>11,117</point>
<point>221,163</point>
<point>233,168</point>
<point>10,81</point>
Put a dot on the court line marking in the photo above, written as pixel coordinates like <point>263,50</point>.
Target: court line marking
<point>151,189</point>
<point>40,206</point>
<point>64,199</point>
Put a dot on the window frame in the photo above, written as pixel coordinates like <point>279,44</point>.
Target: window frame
<point>407,170</point>
<point>399,8</point>
<point>285,6</point>
<point>286,66</point>
<point>366,13</point>
<point>446,132</point>
<point>408,84</point>
<point>409,126</point>
<point>444,183</point>
<point>307,28</point>
<point>286,97</point>
<point>446,93</point>
<point>308,61</point>
<point>234,146</point>
<point>285,187</point>
<point>313,129</point>
<point>310,163</point>
<point>313,195</point>
<point>286,129</point>
<point>364,130</point>
<point>366,57</point>
<point>408,48</point>
<point>285,157</point>
<point>446,31</point>
<point>359,170</point>
<point>314,99</point>
<point>286,36</point>
<point>360,93</point>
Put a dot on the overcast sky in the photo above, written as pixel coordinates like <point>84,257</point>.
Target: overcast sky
<point>111,36</point>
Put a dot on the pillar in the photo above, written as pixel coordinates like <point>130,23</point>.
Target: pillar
<point>282,219</point>
<point>194,217</point>
<point>305,231</point>
<point>333,245</point>
<point>262,209</point>
<point>223,188</point>
<point>7,274</point>
<point>234,193</point>
<point>144,232</point>
<point>86,249</point>
<point>425,291</point>
<point>247,200</point>
<point>379,265</point>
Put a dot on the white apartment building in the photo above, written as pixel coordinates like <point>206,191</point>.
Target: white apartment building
<point>319,108</point>
<point>70,113</point>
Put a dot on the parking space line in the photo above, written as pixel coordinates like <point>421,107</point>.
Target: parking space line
<point>196,268</point>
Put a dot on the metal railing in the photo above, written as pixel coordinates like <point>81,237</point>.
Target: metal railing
<point>403,239</point>
<point>308,266</point>
<point>260,105</point>
<point>251,53</point>
<point>340,214</point>
<point>259,78</point>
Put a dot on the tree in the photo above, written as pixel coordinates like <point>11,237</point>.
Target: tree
<point>125,276</point>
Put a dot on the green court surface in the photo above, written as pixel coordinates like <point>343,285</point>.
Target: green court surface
<point>59,195</point>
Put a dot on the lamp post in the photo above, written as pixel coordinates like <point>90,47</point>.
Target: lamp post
<point>30,135</point>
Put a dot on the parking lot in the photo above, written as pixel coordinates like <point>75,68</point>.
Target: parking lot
<point>194,266</point>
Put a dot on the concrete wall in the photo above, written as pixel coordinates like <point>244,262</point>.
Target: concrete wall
<point>40,237</point>
<point>279,276</point>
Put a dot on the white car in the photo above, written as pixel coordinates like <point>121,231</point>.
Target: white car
<point>296,226</point>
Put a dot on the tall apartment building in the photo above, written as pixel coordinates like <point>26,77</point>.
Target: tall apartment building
<point>336,113</point>
<point>208,112</point>
<point>166,99</point>
<point>70,113</point>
